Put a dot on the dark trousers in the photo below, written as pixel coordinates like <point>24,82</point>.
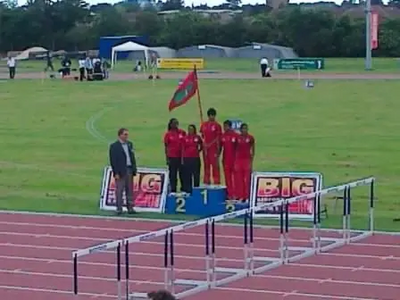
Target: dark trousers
<point>89,74</point>
<point>81,74</point>
<point>124,184</point>
<point>264,70</point>
<point>12,72</point>
<point>191,166</point>
<point>175,169</point>
<point>49,66</point>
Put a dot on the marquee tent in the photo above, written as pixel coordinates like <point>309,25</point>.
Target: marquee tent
<point>129,47</point>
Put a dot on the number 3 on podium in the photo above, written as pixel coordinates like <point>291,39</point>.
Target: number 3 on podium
<point>230,207</point>
<point>180,205</point>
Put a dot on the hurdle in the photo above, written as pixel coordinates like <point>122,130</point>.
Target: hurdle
<point>249,268</point>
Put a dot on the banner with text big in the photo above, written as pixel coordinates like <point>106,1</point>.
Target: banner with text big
<point>150,188</point>
<point>272,186</point>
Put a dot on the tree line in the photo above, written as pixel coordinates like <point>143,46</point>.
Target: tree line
<point>74,25</point>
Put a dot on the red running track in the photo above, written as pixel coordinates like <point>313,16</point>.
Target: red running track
<point>35,262</point>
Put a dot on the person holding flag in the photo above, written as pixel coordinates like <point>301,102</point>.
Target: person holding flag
<point>228,146</point>
<point>211,131</point>
<point>245,151</point>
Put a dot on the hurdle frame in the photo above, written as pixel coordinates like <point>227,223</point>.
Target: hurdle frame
<point>238,274</point>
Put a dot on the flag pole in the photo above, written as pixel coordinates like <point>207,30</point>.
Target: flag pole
<point>198,96</point>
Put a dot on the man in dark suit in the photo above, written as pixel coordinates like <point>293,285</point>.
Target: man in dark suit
<point>123,164</point>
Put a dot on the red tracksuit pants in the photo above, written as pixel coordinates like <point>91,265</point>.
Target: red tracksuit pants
<point>242,178</point>
<point>211,165</point>
<point>229,173</point>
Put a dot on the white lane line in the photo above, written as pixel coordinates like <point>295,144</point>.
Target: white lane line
<point>322,280</point>
<point>39,290</point>
<point>318,296</point>
<point>347,268</point>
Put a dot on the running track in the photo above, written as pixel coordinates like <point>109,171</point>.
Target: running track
<point>35,262</point>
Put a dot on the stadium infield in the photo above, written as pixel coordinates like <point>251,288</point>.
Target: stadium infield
<point>36,263</point>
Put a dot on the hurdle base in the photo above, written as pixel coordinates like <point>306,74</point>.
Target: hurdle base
<point>138,296</point>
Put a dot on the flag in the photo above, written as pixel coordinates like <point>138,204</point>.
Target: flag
<point>185,91</point>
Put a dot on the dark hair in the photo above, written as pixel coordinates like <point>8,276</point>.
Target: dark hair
<point>161,295</point>
<point>243,125</point>
<point>194,128</point>
<point>172,120</point>
<point>211,112</point>
<point>121,131</point>
<point>228,122</point>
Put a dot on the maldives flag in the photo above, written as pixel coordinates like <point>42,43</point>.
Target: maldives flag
<point>186,90</point>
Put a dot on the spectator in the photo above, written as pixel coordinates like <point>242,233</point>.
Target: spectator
<point>11,66</point>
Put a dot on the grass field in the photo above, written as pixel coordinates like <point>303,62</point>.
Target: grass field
<point>54,136</point>
<point>341,65</point>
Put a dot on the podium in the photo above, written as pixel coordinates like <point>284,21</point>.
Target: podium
<point>203,202</point>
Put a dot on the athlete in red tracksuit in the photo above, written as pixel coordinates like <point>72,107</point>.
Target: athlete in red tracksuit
<point>244,162</point>
<point>228,144</point>
<point>211,132</point>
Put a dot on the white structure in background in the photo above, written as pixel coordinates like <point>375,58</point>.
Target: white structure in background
<point>130,47</point>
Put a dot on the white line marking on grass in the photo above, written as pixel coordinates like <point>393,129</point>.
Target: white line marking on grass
<point>90,125</point>
<point>318,296</point>
<point>322,280</point>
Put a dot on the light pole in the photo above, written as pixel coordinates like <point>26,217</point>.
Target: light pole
<point>368,53</point>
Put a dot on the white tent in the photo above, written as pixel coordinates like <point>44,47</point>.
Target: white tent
<point>126,47</point>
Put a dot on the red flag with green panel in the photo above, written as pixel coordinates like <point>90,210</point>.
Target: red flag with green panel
<point>185,91</point>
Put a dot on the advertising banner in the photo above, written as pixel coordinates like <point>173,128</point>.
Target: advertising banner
<point>299,63</point>
<point>272,186</point>
<point>180,63</point>
<point>150,187</point>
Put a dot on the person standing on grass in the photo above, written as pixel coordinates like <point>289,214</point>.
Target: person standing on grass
<point>211,132</point>
<point>173,140</point>
<point>49,63</point>
<point>192,146</point>
<point>228,146</point>
<point>265,70</point>
<point>11,64</point>
<point>81,64</point>
<point>244,157</point>
<point>123,164</point>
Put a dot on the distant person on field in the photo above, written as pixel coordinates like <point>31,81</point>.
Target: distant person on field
<point>11,64</point>
<point>211,132</point>
<point>123,164</point>
<point>89,68</point>
<point>82,64</point>
<point>265,69</point>
<point>66,66</point>
<point>49,62</point>
<point>160,295</point>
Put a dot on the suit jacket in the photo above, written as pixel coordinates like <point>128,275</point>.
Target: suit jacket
<point>118,158</point>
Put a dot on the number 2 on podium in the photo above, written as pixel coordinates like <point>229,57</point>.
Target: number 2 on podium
<point>204,193</point>
<point>180,205</point>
